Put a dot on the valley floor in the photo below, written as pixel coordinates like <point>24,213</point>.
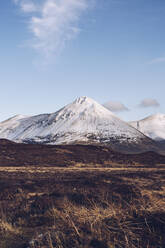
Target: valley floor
<point>82,207</point>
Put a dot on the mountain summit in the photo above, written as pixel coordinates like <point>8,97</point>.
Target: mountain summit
<point>153,126</point>
<point>84,122</point>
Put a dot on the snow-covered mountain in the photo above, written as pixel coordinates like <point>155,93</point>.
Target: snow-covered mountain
<point>83,121</point>
<point>152,126</point>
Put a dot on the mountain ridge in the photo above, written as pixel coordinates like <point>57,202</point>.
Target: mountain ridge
<point>152,126</point>
<point>83,121</point>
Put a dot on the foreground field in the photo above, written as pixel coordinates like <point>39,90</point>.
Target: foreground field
<point>82,207</point>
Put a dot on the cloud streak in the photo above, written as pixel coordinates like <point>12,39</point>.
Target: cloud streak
<point>115,106</point>
<point>149,102</point>
<point>52,22</point>
<point>157,60</point>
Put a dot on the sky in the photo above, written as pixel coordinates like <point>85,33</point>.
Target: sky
<point>53,51</point>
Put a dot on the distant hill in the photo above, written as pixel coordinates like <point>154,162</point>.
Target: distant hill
<point>153,126</point>
<point>13,154</point>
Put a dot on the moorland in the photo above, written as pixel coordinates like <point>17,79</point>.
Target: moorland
<point>80,197</point>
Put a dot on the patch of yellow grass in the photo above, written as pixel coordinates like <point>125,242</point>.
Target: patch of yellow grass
<point>7,227</point>
<point>77,167</point>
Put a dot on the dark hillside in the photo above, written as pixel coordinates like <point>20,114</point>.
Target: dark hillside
<point>13,154</point>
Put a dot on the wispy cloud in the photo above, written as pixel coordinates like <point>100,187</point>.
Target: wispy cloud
<point>115,106</point>
<point>149,102</point>
<point>157,60</point>
<point>52,22</point>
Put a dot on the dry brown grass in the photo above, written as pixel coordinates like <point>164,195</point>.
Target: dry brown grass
<point>6,227</point>
<point>78,208</point>
<point>78,167</point>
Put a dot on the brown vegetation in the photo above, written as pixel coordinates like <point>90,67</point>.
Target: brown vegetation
<point>12,154</point>
<point>82,208</point>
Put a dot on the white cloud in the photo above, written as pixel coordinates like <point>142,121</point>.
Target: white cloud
<point>115,106</point>
<point>157,60</point>
<point>149,102</point>
<point>28,7</point>
<point>52,22</point>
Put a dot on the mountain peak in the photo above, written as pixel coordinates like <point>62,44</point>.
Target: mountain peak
<point>154,117</point>
<point>84,106</point>
<point>157,116</point>
<point>84,99</point>
<point>82,121</point>
<point>152,126</point>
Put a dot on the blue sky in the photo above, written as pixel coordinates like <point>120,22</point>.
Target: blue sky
<point>53,51</point>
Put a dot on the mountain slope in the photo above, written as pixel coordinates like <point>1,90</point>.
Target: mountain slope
<point>83,121</point>
<point>152,126</point>
<point>8,126</point>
